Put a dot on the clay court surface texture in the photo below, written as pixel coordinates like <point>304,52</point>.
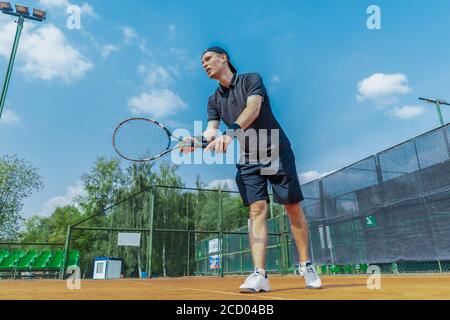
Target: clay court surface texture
<point>424,287</point>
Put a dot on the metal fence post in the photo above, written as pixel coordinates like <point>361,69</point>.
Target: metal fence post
<point>447,144</point>
<point>220,234</point>
<point>241,254</point>
<point>188,235</point>
<point>283,244</point>
<point>65,253</point>
<point>311,247</point>
<point>271,202</point>
<point>110,236</point>
<point>189,252</point>
<point>150,235</point>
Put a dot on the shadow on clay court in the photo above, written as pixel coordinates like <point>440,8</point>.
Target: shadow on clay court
<point>324,287</point>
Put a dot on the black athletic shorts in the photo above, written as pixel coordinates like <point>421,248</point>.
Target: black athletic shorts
<point>286,188</point>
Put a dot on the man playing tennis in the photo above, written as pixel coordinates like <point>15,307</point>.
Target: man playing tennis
<point>242,103</point>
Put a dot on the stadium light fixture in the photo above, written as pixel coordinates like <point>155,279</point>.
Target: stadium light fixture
<point>5,6</point>
<point>22,10</point>
<point>37,13</point>
<point>23,13</point>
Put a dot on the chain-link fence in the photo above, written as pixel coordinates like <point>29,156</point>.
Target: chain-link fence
<point>391,209</point>
<point>182,232</point>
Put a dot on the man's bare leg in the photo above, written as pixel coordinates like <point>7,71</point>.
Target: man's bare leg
<point>299,228</point>
<point>258,233</point>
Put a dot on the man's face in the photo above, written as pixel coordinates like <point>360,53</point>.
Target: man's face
<point>214,64</point>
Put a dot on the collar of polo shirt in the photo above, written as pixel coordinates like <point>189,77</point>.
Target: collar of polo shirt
<point>232,84</point>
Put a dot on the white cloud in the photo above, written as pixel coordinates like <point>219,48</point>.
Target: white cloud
<point>185,62</point>
<point>142,68</point>
<point>44,53</point>
<point>106,50</point>
<point>225,184</point>
<point>406,112</point>
<point>87,10</point>
<point>129,34</point>
<point>158,76</point>
<point>53,3</point>
<point>309,176</point>
<point>9,118</point>
<point>60,201</point>
<point>6,35</point>
<point>157,103</point>
<point>47,56</point>
<point>382,88</point>
<point>276,78</point>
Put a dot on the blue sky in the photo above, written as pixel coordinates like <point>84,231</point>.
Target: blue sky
<point>341,91</point>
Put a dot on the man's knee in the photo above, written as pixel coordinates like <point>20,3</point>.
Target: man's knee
<point>294,209</point>
<point>258,209</point>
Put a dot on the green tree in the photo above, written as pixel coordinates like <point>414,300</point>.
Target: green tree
<point>100,185</point>
<point>36,230</point>
<point>51,229</point>
<point>18,180</point>
<point>169,213</point>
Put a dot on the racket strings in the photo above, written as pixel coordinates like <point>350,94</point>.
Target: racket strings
<point>141,139</point>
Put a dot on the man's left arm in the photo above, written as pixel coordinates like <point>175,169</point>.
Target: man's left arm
<point>255,92</point>
<point>247,117</point>
<point>251,112</point>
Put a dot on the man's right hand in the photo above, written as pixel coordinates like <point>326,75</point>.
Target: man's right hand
<point>187,148</point>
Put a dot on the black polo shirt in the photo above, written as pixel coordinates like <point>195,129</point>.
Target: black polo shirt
<point>227,104</point>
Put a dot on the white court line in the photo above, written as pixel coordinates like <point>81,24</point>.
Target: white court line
<point>221,292</point>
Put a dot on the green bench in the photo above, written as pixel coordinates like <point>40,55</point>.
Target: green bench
<point>24,263</point>
<point>73,258</point>
<point>10,262</point>
<point>3,254</point>
<point>40,264</point>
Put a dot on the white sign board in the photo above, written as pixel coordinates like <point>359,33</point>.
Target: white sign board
<point>129,239</point>
<point>213,245</point>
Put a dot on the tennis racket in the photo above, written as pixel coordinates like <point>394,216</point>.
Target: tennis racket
<point>143,140</point>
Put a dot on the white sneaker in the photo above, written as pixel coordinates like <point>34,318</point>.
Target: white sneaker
<point>312,279</point>
<point>254,283</point>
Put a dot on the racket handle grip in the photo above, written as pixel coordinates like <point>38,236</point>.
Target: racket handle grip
<point>203,142</point>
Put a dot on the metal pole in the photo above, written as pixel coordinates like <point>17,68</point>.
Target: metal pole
<point>283,245</point>
<point>438,108</point>
<point>311,247</point>
<point>189,252</point>
<point>65,253</point>
<point>241,254</point>
<point>220,233</point>
<point>437,103</point>
<point>271,202</point>
<point>447,145</point>
<point>188,234</point>
<point>150,236</point>
<point>110,237</point>
<point>11,63</point>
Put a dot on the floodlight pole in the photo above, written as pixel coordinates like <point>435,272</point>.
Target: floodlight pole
<point>11,63</point>
<point>438,108</point>
<point>438,104</point>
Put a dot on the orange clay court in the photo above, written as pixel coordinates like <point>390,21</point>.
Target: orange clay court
<point>424,287</point>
